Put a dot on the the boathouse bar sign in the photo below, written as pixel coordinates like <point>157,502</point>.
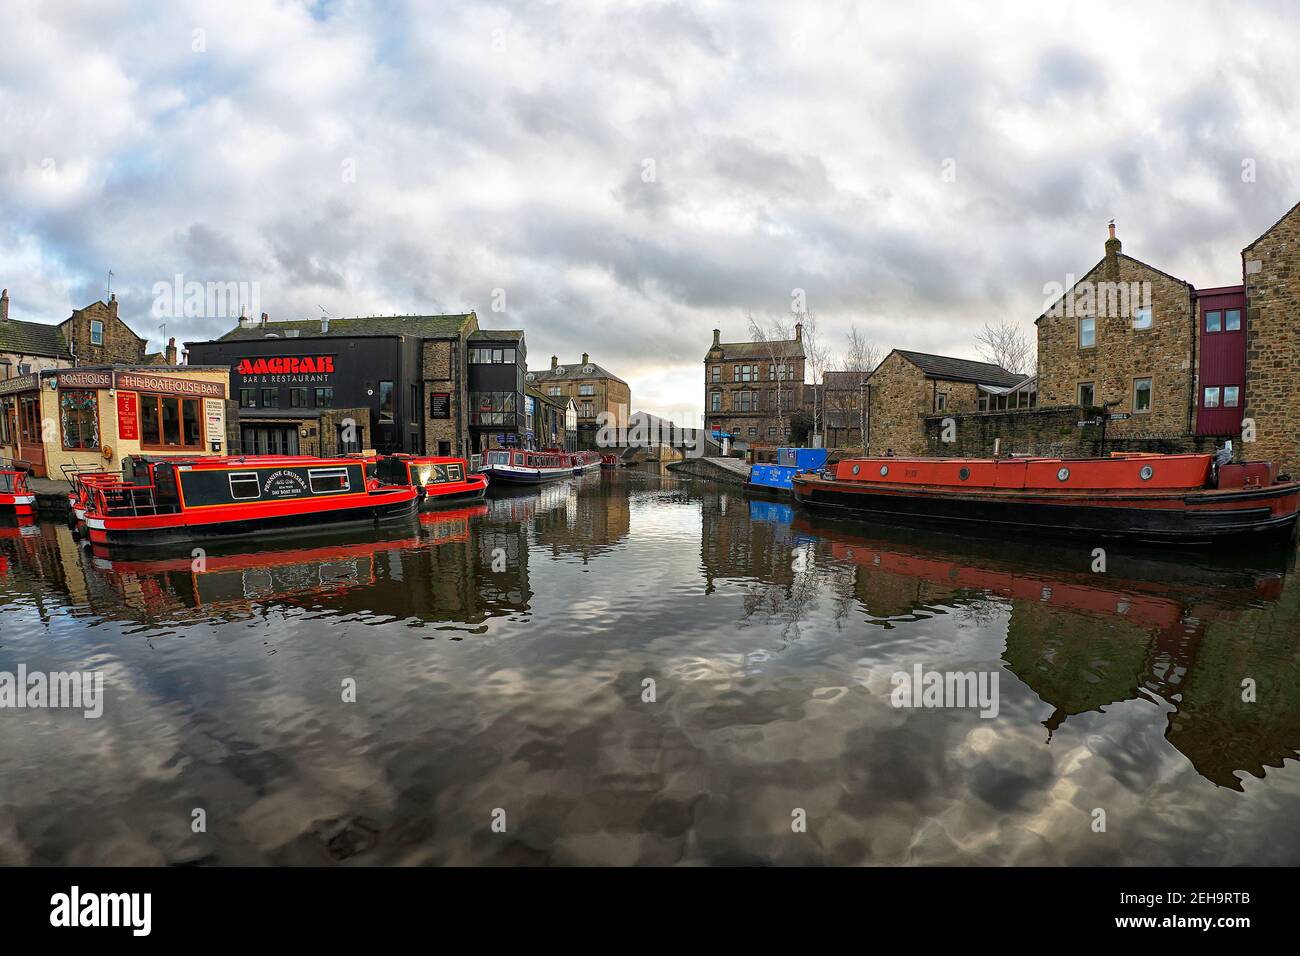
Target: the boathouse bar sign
<point>170,386</point>
<point>282,369</point>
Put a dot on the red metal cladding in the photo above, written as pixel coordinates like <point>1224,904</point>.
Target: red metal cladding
<point>1222,361</point>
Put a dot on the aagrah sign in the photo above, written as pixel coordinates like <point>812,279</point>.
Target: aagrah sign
<point>169,386</point>
<point>287,368</point>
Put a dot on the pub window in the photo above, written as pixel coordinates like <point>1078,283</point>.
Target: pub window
<point>386,401</point>
<point>1142,318</point>
<point>1213,321</point>
<point>79,414</point>
<point>270,397</point>
<point>1211,399</point>
<point>29,420</point>
<point>248,398</point>
<point>297,397</point>
<point>1142,395</point>
<point>244,485</point>
<point>1232,320</point>
<point>1087,397</point>
<point>1231,396</point>
<point>327,481</point>
<point>1087,333</point>
<point>324,398</point>
<point>167,421</point>
<point>8,415</point>
<point>96,332</point>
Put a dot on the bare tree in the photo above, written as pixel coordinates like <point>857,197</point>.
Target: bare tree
<point>774,335</point>
<point>817,356</point>
<point>1006,344</point>
<point>862,357</point>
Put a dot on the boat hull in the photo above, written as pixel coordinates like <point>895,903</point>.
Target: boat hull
<point>180,528</point>
<point>1176,517</point>
<point>773,492</point>
<point>24,506</point>
<point>432,502</point>
<point>526,476</point>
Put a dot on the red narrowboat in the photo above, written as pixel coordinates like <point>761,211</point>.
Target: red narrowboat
<point>162,500</point>
<point>15,497</point>
<point>440,482</point>
<point>585,461</point>
<point>1157,498</point>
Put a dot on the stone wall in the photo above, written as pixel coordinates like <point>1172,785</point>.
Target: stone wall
<point>119,345</point>
<point>1049,432</point>
<point>899,398</point>
<point>1122,353</point>
<point>444,371</point>
<point>1272,270</point>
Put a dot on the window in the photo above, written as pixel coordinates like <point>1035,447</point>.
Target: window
<point>1087,333</point>
<point>167,421</point>
<point>1142,395</point>
<point>715,402</point>
<point>941,401</point>
<point>79,415</point>
<point>586,389</point>
<point>327,481</point>
<point>325,398</point>
<point>743,401</point>
<point>771,431</point>
<point>1087,396</point>
<point>1231,396</point>
<point>247,398</point>
<point>1232,320</point>
<point>492,408</point>
<point>24,368</point>
<point>29,419</point>
<point>8,416</point>
<point>244,485</point>
<point>1211,398</point>
<point>298,397</point>
<point>386,401</point>
<point>553,391</point>
<point>1142,318</point>
<point>983,402</point>
<point>587,411</point>
<point>491,356</point>
<point>96,332</point>
<point>270,397</point>
<point>1213,321</point>
<point>717,373</point>
<point>753,432</point>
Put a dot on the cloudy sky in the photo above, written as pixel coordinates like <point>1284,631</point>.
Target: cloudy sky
<point>633,175</point>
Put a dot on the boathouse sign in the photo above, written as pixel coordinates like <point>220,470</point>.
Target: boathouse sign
<point>169,386</point>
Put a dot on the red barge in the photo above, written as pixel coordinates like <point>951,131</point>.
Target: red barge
<point>1157,498</point>
<point>440,482</point>
<point>164,500</point>
<point>15,497</point>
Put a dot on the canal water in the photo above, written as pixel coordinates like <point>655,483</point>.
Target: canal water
<point>627,668</point>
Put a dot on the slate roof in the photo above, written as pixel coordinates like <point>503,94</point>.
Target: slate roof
<point>33,338</point>
<point>497,335</point>
<point>572,372</point>
<point>961,370</point>
<point>786,348</point>
<point>835,381</point>
<point>422,326</point>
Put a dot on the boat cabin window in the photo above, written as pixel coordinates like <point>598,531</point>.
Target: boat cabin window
<point>245,485</point>
<point>392,471</point>
<point>327,481</point>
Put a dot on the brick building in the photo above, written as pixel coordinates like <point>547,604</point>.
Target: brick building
<point>752,389</point>
<point>1271,268</point>
<point>594,390</point>
<point>907,387</point>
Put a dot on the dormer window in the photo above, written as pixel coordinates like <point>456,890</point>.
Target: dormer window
<point>96,332</point>
<point>588,369</point>
<point>559,370</point>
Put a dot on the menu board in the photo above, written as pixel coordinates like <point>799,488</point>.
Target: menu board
<point>440,405</point>
<point>128,416</point>
<point>214,410</point>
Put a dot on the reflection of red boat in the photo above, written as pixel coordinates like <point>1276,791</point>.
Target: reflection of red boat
<point>15,497</point>
<point>609,461</point>
<point>442,482</point>
<point>451,524</point>
<point>1158,498</point>
<point>181,499</point>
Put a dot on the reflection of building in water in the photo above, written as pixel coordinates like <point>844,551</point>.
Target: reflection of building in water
<point>591,522</point>
<point>1184,631</point>
<point>741,538</point>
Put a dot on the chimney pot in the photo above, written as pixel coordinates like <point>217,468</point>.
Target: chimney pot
<point>717,336</point>
<point>171,351</point>
<point>1113,245</point>
<point>798,331</point>
<point>4,306</point>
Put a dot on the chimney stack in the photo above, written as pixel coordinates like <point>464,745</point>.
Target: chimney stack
<point>554,362</point>
<point>798,331</point>
<point>716,338</point>
<point>171,351</point>
<point>325,325</point>
<point>4,306</point>
<point>1113,245</point>
<point>112,303</point>
<point>585,359</point>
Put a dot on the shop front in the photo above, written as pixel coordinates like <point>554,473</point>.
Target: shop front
<point>65,419</point>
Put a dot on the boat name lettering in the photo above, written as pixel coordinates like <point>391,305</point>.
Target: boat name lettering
<point>284,484</point>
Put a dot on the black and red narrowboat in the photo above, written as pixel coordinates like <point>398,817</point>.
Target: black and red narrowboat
<point>441,482</point>
<point>16,497</point>
<point>1155,498</point>
<point>162,500</point>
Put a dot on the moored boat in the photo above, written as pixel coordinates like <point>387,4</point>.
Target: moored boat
<point>15,496</point>
<point>774,481</point>
<point>516,466</point>
<point>441,482</point>
<point>585,461</point>
<point>1155,498</point>
<point>160,500</point>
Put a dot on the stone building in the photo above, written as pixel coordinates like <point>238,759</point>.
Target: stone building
<point>1123,337</point>
<point>752,389</point>
<point>594,390</point>
<point>1271,266</point>
<point>907,387</point>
